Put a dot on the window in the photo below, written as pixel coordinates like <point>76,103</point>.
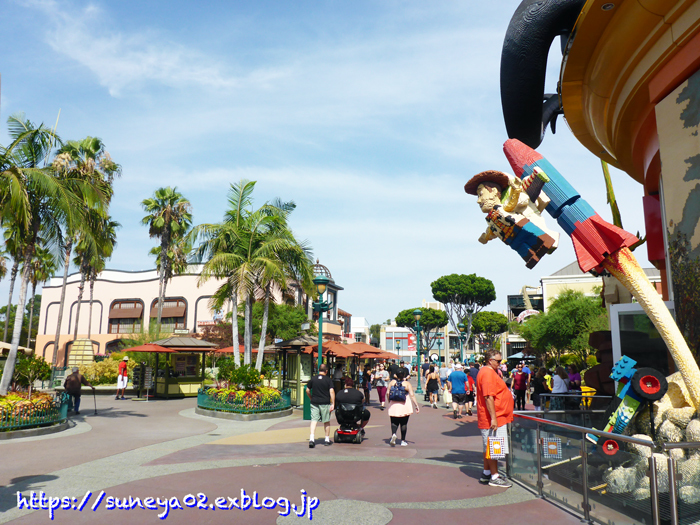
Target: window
<point>125,317</point>
<point>173,314</point>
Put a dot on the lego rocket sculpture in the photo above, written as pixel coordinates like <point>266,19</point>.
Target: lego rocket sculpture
<point>601,246</point>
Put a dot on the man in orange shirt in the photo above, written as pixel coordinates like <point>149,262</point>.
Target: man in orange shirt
<point>494,412</point>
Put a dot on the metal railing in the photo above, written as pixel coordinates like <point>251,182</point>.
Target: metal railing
<point>248,403</point>
<point>568,477</point>
<point>23,414</point>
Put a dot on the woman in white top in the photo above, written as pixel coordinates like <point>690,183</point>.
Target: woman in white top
<point>560,385</point>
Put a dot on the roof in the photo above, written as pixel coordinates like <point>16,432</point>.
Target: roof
<point>344,313</point>
<point>180,343</point>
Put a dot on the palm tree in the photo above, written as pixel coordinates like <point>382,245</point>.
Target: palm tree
<point>99,244</point>
<point>169,216</point>
<point>15,251</point>
<point>86,161</point>
<point>246,250</point>
<point>44,266</point>
<point>35,202</point>
<point>108,240</point>
<point>291,261</point>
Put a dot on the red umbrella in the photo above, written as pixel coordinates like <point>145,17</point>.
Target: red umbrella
<point>331,348</point>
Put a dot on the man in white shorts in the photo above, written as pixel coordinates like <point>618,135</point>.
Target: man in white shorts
<point>122,377</point>
<point>494,412</point>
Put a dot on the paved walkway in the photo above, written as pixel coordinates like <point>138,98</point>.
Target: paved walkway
<point>162,449</point>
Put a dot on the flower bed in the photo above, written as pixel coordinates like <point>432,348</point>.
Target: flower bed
<point>17,411</point>
<point>252,401</point>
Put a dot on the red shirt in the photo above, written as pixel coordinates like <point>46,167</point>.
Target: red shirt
<point>489,384</point>
<point>123,369</point>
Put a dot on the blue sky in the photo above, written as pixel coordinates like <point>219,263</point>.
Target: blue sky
<point>371,116</point>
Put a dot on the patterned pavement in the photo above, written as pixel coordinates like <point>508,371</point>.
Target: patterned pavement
<point>161,449</point>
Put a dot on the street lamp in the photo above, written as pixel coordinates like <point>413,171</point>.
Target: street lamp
<point>398,346</point>
<point>320,306</point>
<point>462,338</point>
<point>439,343</point>
<point>416,314</point>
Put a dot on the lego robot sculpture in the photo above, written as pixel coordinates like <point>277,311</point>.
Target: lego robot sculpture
<point>635,387</point>
<point>599,246</point>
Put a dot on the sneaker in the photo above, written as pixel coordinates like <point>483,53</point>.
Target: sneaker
<point>485,479</point>
<point>392,441</point>
<point>500,482</point>
<point>116,398</point>
<point>77,413</point>
<point>404,444</point>
<point>312,444</point>
<point>454,413</point>
<point>435,406</point>
<point>362,432</point>
<point>469,412</point>
<point>327,443</point>
<point>381,408</point>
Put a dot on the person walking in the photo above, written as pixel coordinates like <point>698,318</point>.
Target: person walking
<point>560,385</point>
<point>122,377</point>
<point>445,372</point>
<point>458,384</point>
<point>367,383</point>
<point>322,396</point>
<point>382,377</point>
<point>539,387</point>
<point>519,387</point>
<point>401,410</point>
<point>432,385</point>
<point>424,370</point>
<point>494,412</point>
<point>73,385</point>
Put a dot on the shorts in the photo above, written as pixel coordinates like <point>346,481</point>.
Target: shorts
<point>443,382</point>
<point>460,399</point>
<point>122,382</point>
<point>469,398</point>
<point>501,431</point>
<point>434,391</point>
<point>321,413</point>
<point>365,415</point>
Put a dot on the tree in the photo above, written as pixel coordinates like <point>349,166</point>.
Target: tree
<point>34,201</point>
<point>375,331</point>
<point>431,321</point>
<point>566,326</point>
<point>463,296</point>
<point>248,249</point>
<point>169,215</point>
<point>29,369</point>
<point>88,163</point>
<point>44,266</point>
<point>89,251</point>
<point>488,326</point>
<point>15,251</point>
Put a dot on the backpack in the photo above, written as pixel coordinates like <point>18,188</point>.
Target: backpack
<point>397,392</point>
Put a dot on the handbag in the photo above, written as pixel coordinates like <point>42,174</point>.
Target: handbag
<point>446,396</point>
<point>551,447</point>
<point>496,446</point>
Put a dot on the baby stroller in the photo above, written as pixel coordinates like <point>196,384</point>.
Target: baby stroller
<point>348,417</point>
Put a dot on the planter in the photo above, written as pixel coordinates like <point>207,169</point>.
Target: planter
<point>28,416</point>
<point>247,409</point>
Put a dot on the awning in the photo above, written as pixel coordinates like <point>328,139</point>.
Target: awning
<point>175,311</point>
<point>126,313</point>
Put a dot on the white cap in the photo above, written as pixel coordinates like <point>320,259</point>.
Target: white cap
<point>126,358</point>
<point>458,365</point>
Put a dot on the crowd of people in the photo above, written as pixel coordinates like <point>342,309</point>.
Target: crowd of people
<point>481,388</point>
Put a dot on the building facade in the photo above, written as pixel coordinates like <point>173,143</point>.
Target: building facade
<point>126,303</point>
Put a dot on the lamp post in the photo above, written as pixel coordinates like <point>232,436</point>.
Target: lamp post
<point>462,337</point>
<point>416,314</point>
<point>398,346</point>
<point>439,343</point>
<point>320,306</point>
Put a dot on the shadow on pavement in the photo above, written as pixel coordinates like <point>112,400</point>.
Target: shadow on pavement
<point>460,457</point>
<point>24,485</point>
<point>106,412</point>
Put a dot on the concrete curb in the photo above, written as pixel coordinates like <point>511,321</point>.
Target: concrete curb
<point>243,417</point>
<point>32,432</point>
